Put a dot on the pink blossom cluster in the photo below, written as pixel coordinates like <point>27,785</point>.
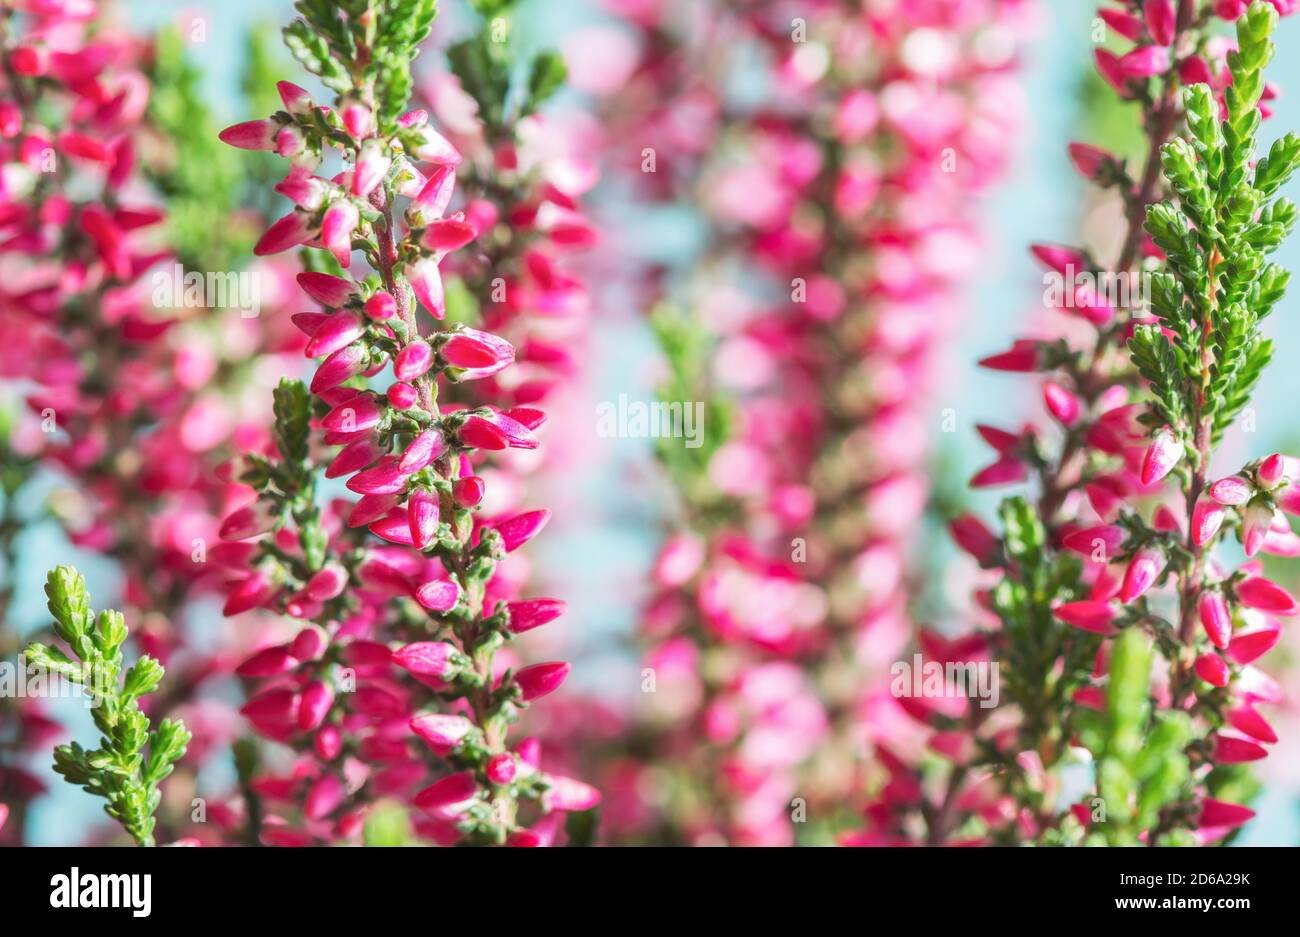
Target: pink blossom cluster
<point>415,615</point>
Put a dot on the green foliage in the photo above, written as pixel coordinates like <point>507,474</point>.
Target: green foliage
<point>687,348</point>
<point>488,64</point>
<point>1227,218</point>
<point>200,176</point>
<point>1141,761</point>
<point>1035,640</point>
<point>363,43</point>
<point>387,824</point>
<point>131,760</point>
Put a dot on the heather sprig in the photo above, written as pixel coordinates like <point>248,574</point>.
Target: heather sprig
<point>415,610</point>
<point>1126,507</point>
<point>132,758</point>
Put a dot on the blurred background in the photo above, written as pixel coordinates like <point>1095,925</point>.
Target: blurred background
<point>609,520</point>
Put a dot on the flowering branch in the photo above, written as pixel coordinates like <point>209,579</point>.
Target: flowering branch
<point>426,580</point>
<point>1159,771</point>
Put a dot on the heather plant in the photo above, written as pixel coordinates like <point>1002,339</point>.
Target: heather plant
<point>405,597</point>
<point>785,594</point>
<point>1124,628</point>
<point>132,758</point>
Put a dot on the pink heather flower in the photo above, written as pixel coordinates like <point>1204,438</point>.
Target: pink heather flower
<point>1248,646</point>
<point>324,797</point>
<point>335,332</point>
<point>1232,490</point>
<point>1231,750</point>
<point>1265,595</point>
<point>354,415</point>
<point>479,354</point>
<point>310,642</point>
<point>1145,62</point>
<point>468,491</point>
<point>518,530</point>
<point>343,364</point>
<point>394,527</point>
<point>381,307</point>
<point>433,147</point>
<point>533,613</point>
<point>370,508</point>
<point>328,743</point>
<point>1106,537</point>
<point>1088,616</point>
<point>1092,306</point>
<point>289,143</point>
<point>413,361</point>
<point>272,706</point>
<point>352,458</point>
<point>1142,572</point>
<point>1248,721</point>
<point>422,510</point>
<point>1126,24</point>
<point>249,593</point>
<point>1215,617</point>
<point>541,679</point>
<point>252,520</point>
<point>426,281</point>
<point>1165,451</point>
<point>1022,357</point>
<point>317,698</point>
<point>975,538</point>
<point>325,288</point>
<point>424,449</point>
<point>438,595</point>
<point>296,100</point>
<point>251,135</point>
<point>357,118</point>
<point>447,234</point>
<point>1090,161</point>
<point>402,396</point>
<point>268,662</point>
<point>340,220</point>
<point>1256,521</point>
<point>442,731</point>
<point>1272,471</point>
<point>1007,471</point>
<point>1193,71</point>
<point>1110,69</point>
<point>449,795</point>
<point>500,768</point>
<point>293,229</point>
<point>327,583</point>
<point>1062,404</point>
<point>428,659</point>
<point>370,169</point>
<point>1212,669</point>
<point>1162,18</point>
<point>1063,260</point>
<point>1207,516</point>
<point>303,188</point>
<point>569,795</point>
<point>432,201</point>
<point>1218,813</point>
<point>384,478</point>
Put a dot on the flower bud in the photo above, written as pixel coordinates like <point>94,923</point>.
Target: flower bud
<point>541,679</point>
